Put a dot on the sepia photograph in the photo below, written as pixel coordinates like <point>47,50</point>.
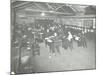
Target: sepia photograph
<point>52,37</point>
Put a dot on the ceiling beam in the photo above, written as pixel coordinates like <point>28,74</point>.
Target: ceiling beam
<point>75,10</point>
<point>54,12</point>
<point>23,7</point>
<point>59,7</point>
<point>49,6</point>
<point>19,5</point>
<point>38,6</point>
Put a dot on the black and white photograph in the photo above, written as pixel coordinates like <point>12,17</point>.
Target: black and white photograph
<point>52,37</point>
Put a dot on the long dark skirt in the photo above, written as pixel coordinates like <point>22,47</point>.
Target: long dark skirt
<point>66,43</point>
<point>70,44</point>
<point>51,48</point>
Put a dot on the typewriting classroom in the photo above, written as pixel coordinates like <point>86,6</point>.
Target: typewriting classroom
<point>48,37</point>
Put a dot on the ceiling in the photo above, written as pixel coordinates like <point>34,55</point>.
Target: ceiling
<point>53,8</point>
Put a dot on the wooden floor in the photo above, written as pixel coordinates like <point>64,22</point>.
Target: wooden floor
<point>79,58</point>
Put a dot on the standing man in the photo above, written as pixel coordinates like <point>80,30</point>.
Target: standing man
<point>70,42</point>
